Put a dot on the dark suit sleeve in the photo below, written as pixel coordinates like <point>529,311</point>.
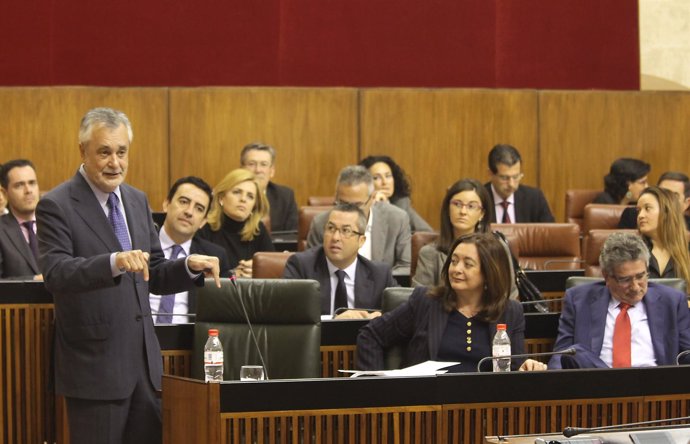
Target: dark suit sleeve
<point>515,318</point>
<point>293,270</point>
<point>292,213</point>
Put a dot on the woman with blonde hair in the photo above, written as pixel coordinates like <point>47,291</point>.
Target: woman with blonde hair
<point>234,221</point>
<point>660,221</point>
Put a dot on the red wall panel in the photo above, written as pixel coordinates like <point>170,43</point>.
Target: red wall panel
<point>437,43</point>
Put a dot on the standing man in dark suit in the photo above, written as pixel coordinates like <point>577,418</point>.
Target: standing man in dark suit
<point>347,279</point>
<point>260,159</point>
<point>100,257</point>
<point>624,321</point>
<point>514,202</point>
<point>18,242</point>
<point>186,208</point>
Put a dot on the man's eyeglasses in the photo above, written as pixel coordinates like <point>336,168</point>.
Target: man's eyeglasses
<point>626,281</point>
<point>472,206</point>
<point>346,232</point>
<point>514,177</point>
<point>357,204</point>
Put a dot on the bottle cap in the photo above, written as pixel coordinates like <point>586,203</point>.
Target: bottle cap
<point>500,326</point>
<point>213,332</point>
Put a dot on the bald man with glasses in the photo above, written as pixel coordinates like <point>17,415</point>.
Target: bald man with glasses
<point>624,321</point>
<point>512,201</point>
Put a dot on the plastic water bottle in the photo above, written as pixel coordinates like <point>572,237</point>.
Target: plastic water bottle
<point>501,347</point>
<point>213,357</point>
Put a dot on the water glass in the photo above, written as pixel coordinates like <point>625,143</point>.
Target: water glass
<point>251,373</point>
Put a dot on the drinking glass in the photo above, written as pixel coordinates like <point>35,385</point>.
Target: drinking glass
<point>251,373</point>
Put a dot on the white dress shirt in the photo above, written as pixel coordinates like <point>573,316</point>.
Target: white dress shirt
<point>641,349</point>
<point>349,282</point>
<point>181,299</point>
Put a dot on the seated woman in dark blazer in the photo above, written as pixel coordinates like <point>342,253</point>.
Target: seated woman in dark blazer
<point>234,221</point>
<point>660,221</point>
<point>626,179</point>
<point>455,321</point>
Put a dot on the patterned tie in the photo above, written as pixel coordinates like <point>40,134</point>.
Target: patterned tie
<point>340,291</point>
<point>118,222</point>
<point>168,300</point>
<point>33,240</point>
<point>506,216</point>
<point>621,338</point>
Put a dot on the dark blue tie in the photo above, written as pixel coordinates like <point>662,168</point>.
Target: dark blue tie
<point>340,291</point>
<point>168,300</point>
<point>118,222</point>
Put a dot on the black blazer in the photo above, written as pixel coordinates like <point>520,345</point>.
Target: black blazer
<point>283,207</point>
<point>530,205</point>
<point>371,278</point>
<point>420,323</point>
<point>16,259</point>
<point>202,246</point>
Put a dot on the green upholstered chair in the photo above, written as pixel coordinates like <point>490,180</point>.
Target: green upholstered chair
<point>285,315</point>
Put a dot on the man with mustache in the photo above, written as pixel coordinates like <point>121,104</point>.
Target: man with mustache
<point>18,241</point>
<point>348,280</point>
<point>624,321</point>
<point>100,257</point>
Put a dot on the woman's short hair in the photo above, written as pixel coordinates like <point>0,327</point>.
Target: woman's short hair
<point>620,248</point>
<point>495,269</point>
<point>447,235</point>
<point>232,179</point>
<point>402,184</point>
<point>623,171</point>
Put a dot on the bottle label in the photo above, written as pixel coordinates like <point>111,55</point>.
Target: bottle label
<point>213,357</point>
<point>501,350</point>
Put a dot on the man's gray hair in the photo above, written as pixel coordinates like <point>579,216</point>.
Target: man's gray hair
<point>620,248</point>
<point>108,117</point>
<point>351,208</point>
<point>354,175</point>
<point>258,146</point>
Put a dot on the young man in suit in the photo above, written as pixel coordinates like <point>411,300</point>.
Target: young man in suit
<point>260,159</point>
<point>100,257</point>
<point>624,321</point>
<point>347,279</point>
<point>388,234</point>
<point>185,208</point>
<point>513,202</point>
<point>18,241</point>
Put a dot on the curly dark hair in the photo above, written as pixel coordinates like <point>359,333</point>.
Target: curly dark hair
<point>402,183</point>
<point>622,172</point>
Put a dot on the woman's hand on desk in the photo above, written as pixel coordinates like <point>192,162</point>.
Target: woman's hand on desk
<point>532,365</point>
<point>357,314</point>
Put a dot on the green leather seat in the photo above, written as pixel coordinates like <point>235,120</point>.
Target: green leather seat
<point>285,315</point>
<point>391,298</point>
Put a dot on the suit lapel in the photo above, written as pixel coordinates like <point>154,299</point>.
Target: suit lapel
<point>520,206</point>
<point>134,208</point>
<point>655,320</point>
<point>438,318</point>
<point>363,285</point>
<point>378,235</point>
<point>89,209</point>
<point>598,305</point>
<point>14,233</point>
<point>321,272</point>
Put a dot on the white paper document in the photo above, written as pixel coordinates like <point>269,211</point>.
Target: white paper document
<point>428,368</point>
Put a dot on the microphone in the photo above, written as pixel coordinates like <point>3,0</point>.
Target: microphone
<point>680,355</point>
<point>233,279</point>
<point>572,431</point>
<point>567,351</point>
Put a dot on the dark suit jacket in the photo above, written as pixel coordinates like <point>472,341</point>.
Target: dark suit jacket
<point>419,323</point>
<point>16,259</point>
<point>530,205</point>
<point>583,321</point>
<point>104,330</point>
<point>202,246</point>
<point>283,207</point>
<point>371,278</point>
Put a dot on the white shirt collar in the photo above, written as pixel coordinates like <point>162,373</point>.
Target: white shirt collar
<point>167,243</point>
<point>349,270</point>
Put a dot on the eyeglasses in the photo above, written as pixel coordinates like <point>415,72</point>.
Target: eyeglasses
<point>357,204</point>
<point>472,206</point>
<point>346,231</point>
<point>626,281</point>
<point>514,177</point>
<point>253,164</point>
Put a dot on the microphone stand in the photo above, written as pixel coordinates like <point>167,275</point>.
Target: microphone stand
<point>249,324</point>
<point>567,351</point>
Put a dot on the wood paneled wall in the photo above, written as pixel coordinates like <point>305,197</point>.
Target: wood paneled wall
<point>567,138</point>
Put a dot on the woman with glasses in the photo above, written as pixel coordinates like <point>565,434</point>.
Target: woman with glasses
<point>465,209</point>
<point>455,321</point>
<point>661,223</point>
<point>392,185</point>
<point>624,183</point>
<point>234,220</point>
